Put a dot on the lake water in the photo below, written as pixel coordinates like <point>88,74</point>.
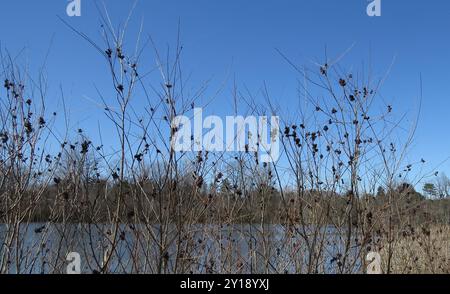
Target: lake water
<point>42,248</point>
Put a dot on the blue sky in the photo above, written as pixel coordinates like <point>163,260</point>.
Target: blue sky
<point>240,37</point>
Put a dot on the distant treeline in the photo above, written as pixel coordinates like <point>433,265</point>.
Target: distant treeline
<point>142,201</point>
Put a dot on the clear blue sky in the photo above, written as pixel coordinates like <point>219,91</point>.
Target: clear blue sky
<point>240,37</point>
